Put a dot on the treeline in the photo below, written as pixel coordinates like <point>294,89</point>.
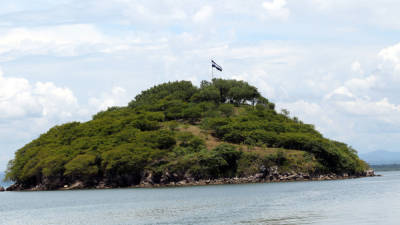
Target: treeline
<point>122,145</point>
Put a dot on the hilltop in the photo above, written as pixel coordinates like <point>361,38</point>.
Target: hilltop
<point>179,133</point>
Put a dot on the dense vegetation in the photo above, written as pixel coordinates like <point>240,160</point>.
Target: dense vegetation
<point>223,128</point>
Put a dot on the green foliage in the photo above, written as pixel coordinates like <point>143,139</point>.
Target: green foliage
<point>208,93</point>
<point>205,164</point>
<point>119,144</point>
<point>124,164</point>
<point>192,113</point>
<point>188,140</point>
<point>226,109</point>
<point>82,167</point>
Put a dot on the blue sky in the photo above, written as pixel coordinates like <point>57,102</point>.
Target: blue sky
<point>333,63</point>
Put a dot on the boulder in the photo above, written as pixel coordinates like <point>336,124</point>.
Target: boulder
<point>76,185</point>
<point>149,178</point>
<point>15,187</point>
<point>259,175</point>
<point>273,170</point>
<point>182,182</point>
<point>101,185</point>
<point>370,173</point>
<point>39,187</point>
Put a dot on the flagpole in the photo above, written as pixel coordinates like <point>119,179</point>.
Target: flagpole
<point>212,72</point>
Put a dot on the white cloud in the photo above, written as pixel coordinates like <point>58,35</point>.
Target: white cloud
<point>381,109</point>
<point>392,54</point>
<point>20,99</point>
<point>117,97</point>
<point>356,67</point>
<point>29,109</point>
<point>277,9</point>
<point>203,14</point>
<point>67,40</point>
<point>361,83</point>
<point>340,92</point>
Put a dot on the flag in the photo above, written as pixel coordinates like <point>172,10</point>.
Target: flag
<point>216,66</point>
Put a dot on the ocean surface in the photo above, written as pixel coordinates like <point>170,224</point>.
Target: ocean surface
<point>374,200</point>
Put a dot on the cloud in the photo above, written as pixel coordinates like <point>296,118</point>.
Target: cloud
<point>31,108</point>
<point>117,97</point>
<point>340,92</point>
<point>19,98</point>
<point>382,109</point>
<point>276,9</point>
<point>66,41</point>
<point>203,14</point>
<point>361,83</point>
<point>63,40</point>
<point>356,67</point>
<point>391,54</point>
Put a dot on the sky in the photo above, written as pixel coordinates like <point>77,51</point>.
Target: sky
<point>332,63</point>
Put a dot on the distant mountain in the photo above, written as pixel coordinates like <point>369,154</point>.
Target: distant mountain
<point>381,157</point>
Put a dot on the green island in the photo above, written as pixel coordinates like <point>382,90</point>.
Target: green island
<point>179,134</point>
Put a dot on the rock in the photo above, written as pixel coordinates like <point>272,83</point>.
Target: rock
<point>101,185</point>
<point>182,182</point>
<point>259,175</point>
<point>145,184</point>
<point>175,176</point>
<point>76,185</point>
<point>164,179</point>
<point>263,169</point>
<point>14,187</point>
<point>149,178</point>
<point>39,187</point>
<point>370,173</point>
<point>189,178</point>
<point>2,189</point>
<point>273,170</point>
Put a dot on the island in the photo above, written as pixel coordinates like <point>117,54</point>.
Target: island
<point>177,134</point>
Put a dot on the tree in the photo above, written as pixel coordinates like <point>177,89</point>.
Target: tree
<point>82,167</point>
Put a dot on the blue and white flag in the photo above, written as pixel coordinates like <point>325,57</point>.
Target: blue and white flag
<point>216,66</point>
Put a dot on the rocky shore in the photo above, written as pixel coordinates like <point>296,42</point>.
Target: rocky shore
<point>173,180</point>
<point>274,176</point>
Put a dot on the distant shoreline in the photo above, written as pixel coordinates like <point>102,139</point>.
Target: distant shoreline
<point>386,167</point>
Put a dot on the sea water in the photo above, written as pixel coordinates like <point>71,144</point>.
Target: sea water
<point>373,200</point>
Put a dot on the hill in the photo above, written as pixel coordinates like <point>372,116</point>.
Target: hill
<point>381,157</point>
<point>177,132</point>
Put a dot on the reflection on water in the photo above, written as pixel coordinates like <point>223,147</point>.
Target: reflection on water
<point>360,201</point>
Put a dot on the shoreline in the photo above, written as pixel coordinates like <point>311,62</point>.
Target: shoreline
<point>257,178</point>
